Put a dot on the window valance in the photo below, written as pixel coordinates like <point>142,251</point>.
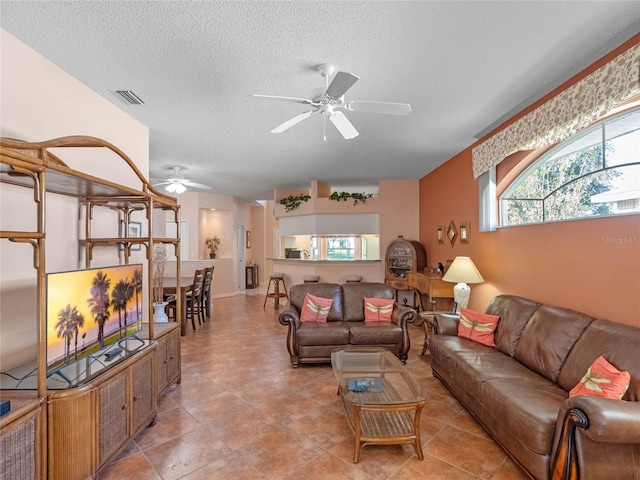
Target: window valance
<point>566,114</point>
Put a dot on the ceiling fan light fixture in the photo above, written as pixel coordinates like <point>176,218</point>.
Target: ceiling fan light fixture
<point>177,188</point>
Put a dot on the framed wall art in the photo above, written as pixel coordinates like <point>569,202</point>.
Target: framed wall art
<point>135,231</point>
<point>452,233</point>
<point>441,234</point>
<point>465,232</point>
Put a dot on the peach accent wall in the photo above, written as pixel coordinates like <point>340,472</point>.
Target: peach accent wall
<point>590,265</point>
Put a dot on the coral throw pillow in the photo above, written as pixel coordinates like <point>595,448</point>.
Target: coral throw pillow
<point>602,380</point>
<point>478,327</point>
<point>315,309</point>
<point>378,309</point>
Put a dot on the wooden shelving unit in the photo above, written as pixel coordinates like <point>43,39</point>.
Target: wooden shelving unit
<point>27,431</point>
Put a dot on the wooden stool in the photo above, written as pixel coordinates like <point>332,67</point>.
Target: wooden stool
<point>353,278</point>
<point>311,278</point>
<point>275,279</point>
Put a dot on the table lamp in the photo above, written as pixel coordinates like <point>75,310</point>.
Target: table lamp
<point>462,271</point>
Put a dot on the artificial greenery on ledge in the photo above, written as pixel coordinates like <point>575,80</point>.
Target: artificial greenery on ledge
<point>357,197</point>
<point>293,201</point>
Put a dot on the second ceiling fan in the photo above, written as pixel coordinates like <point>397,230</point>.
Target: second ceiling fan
<point>332,101</point>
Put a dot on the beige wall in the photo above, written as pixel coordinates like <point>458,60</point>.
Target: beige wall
<point>210,214</point>
<point>398,209</point>
<point>39,101</point>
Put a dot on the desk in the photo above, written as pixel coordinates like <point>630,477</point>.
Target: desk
<point>431,285</point>
<point>169,288</point>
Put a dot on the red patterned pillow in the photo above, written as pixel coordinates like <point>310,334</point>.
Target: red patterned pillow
<point>478,327</point>
<point>315,309</point>
<point>602,380</point>
<point>378,309</point>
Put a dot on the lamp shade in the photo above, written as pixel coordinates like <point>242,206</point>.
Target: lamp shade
<point>463,270</point>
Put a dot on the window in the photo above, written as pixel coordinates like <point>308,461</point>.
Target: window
<point>341,248</point>
<point>345,247</point>
<point>592,174</point>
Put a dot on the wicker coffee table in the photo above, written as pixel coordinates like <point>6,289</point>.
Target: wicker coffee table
<point>382,400</point>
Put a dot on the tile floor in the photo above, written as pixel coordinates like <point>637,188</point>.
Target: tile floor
<point>242,412</point>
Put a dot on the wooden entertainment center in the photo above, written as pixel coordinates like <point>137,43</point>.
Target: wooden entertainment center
<point>68,432</point>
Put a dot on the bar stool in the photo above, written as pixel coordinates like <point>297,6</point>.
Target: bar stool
<point>311,278</point>
<point>353,278</point>
<point>275,279</point>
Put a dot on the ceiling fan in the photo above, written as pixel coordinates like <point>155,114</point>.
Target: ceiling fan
<point>176,183</point>
<point>332,101</point>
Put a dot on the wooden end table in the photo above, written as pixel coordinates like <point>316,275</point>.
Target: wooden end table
<point>382,400</point>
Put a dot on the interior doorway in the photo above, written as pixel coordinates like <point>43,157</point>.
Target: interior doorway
<point>240,248</point>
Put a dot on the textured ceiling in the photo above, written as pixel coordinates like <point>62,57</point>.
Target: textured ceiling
<point>463,67</point>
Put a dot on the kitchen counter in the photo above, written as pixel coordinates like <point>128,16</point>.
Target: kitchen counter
<point>309,261</point>
<point>331,271</point>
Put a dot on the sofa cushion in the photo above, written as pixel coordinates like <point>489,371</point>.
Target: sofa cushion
<point>472,364</point>
<point>316,333</point>
<point>602,380</point>
<point>375,333</point>
<point>315,309</point>
<point>548,338</point>
<point>529,409</point>
<point>514,313</point>
<point>354,293</point>
<point>378,309</point>
<point>324,290</point>
<point>615,341</point>
<point>478,327</point>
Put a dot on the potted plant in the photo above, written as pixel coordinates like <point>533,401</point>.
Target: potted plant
<point>212,244</point>
<point>159,263</point>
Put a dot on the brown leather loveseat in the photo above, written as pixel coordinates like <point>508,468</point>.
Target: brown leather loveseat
<point>519,389</point>
<point>311,342</point>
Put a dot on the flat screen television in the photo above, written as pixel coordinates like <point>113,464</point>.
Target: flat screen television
<point>92,314</point>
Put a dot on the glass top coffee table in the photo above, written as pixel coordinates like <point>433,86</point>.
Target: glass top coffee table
<point>382,400</point>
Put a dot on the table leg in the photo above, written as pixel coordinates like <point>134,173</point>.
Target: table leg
<point>182,315</point>
<point>276,302</point>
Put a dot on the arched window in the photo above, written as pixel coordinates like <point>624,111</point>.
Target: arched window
<point>592,174</point>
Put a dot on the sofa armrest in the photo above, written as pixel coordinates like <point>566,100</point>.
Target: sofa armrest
<point>402,314</point>
<point>601,420</point>
<point>611,421</point>
<point>445,324</point>
<point>290,316</point>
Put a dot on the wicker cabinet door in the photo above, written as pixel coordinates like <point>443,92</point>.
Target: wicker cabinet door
<point>113,409</point>
<point>142,393</point>
<point>173,353</point>
<point>162,360</point>
<point>19,445</point>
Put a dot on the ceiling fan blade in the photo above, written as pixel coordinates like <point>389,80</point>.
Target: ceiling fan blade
<point>344,126</point>
<point>201,186</point>
<point>285,99</point>
<point>290,123</point>
<point>378,107</point>
<point>160,184</point>
<point>342,82</point>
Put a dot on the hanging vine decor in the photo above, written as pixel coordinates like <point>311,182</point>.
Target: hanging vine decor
<point>293,201</point>
<point>357,197</point>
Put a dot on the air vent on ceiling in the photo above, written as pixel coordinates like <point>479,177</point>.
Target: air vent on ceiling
<point>128,96</point>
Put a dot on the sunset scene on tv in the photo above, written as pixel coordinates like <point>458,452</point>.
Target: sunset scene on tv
<point>88,310</point>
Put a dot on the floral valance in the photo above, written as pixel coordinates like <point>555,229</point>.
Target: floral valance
<point>566,114</point>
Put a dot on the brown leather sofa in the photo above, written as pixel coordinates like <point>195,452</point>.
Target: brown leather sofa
<point>310,342</point>
<point>519,390</point>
